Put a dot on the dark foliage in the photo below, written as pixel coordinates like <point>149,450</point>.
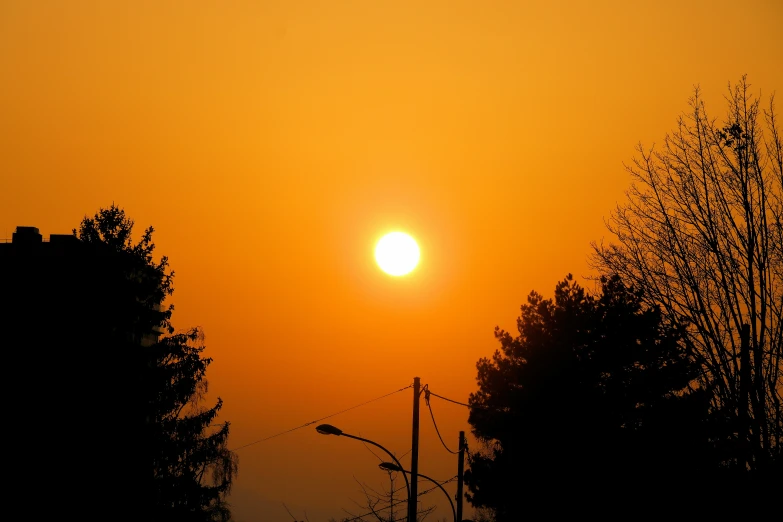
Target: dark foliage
<point>701,232</point>
<point>100,409</point>
<point>191,468</point>
<point>588,409</point>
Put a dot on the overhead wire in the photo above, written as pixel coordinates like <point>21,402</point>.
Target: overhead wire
<point>322,418</point>
<point>451,400</point>
<point>429,392</point>
<point>472,406</point>
<point>429,406</point>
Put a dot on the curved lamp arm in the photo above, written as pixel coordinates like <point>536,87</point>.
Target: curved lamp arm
<point>328,429</point>
<point>388,466</point>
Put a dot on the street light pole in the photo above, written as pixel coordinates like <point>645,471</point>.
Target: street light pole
<point>328,429</point>
<point>388,466</point>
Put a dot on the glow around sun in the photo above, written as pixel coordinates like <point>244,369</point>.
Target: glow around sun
<point>397,253</point>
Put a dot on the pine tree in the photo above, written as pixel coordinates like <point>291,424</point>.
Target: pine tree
<point>185,452</point>
<point>588,407</point>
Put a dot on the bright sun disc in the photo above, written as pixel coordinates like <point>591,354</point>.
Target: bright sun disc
<point>397,253</point>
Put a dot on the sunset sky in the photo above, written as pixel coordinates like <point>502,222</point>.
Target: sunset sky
<point>272,143</point>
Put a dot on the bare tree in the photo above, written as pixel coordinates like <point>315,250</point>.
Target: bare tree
<point>384,506</point>
<point>377,502</point>
<point>701,233</point>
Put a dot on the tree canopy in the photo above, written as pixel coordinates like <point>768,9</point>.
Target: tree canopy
<point>190,467</point>
<point>106,397</point>
<point>590,401</point>
<point>701,233</point>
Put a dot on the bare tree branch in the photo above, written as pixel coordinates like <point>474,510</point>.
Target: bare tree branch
<point>701,233</point>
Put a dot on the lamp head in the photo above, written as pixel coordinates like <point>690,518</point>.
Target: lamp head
<point>388,466</point>
<point>328,429</point>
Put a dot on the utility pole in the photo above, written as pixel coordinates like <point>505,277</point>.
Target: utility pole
<point>460,469</point>
<point>413,499</point>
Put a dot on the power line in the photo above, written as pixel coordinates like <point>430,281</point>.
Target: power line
<point>322,418</point>
<point>451,400</point>
<point>472,406</point>
<point>427,400</point>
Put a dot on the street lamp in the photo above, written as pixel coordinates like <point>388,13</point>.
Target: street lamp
<point>388,466</point>
<point>328,429</point>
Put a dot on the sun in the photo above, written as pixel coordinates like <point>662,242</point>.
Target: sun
<point>397,253</point>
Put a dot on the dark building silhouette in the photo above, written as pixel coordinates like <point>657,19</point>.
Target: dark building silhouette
<point>73,386</point>
<point>30,237</point>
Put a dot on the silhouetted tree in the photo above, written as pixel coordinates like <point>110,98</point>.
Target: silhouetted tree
<point>74,317</point>
<point>483,515</point>
<point>193,469</point>
<point>701,234</point>
<point>589,404</point>
<point>190,467</point>
<point>385,506</point>
<point>137,284</point>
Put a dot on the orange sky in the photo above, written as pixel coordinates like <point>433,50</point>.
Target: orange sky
<point>272,143</point>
